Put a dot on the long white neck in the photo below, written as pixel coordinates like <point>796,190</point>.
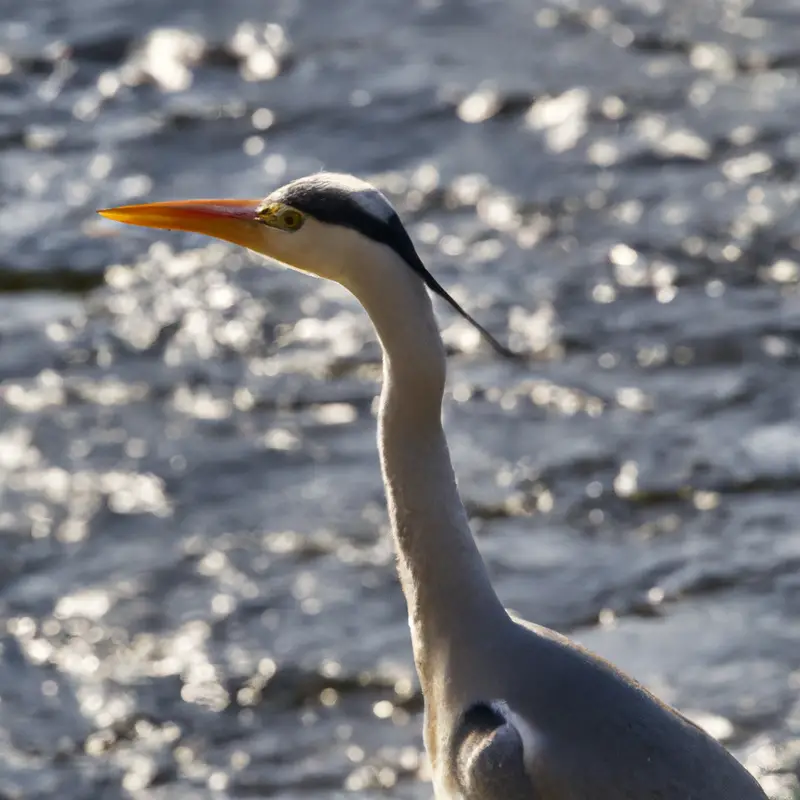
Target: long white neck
<point>447,588</point>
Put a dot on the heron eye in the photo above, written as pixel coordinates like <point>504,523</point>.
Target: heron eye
<point>291,219</point>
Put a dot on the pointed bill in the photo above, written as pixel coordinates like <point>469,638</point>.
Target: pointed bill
<point>232,220</point>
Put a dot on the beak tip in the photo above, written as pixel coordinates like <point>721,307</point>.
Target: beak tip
<point>230,220</point>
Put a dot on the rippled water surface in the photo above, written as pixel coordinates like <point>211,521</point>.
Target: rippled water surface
<point>197,593</point>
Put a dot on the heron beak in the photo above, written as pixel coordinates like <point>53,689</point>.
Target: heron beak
<point>232,220</point>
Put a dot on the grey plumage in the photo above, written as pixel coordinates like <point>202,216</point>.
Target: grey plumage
<point>599,735</point>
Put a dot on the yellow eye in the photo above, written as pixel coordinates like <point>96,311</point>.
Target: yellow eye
<point>291,220</point>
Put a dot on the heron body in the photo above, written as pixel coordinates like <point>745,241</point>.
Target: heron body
<point>513,711</point>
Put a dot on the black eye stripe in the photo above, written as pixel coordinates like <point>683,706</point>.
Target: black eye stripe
<point>335,205</point>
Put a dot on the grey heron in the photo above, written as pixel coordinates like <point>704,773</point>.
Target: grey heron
<point>513,710</point>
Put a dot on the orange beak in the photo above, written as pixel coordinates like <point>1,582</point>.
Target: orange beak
<point>232,220</point>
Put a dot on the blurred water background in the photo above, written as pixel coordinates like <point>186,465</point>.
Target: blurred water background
<point>197,595</point>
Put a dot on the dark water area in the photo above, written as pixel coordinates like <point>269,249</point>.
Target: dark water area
<point>197,593</point>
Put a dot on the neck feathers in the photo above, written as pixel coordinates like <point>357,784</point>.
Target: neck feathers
<point>442,573</point>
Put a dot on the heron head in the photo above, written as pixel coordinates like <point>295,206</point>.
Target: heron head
<point>329,225</point>
<point>323,224</point>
